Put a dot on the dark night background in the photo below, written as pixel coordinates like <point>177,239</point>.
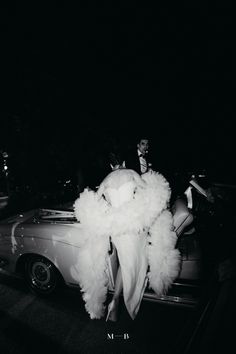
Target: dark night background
<point>74,79</point>
<point>77,81</point>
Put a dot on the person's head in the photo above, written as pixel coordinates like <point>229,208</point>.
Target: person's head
<point>116,161</point>
<point>118,166</point>
<point>143,145</point>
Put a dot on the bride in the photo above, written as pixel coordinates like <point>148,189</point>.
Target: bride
<point>132,211</point>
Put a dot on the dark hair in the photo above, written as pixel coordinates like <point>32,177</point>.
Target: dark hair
<point>115,158</point>
<point>142,136</point>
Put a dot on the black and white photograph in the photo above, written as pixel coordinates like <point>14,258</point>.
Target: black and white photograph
<point>117,178</point>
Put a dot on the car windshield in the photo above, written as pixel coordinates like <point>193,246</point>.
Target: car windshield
<point>55,214</point>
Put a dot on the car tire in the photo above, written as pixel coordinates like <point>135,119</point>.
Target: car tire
<point>41,276</point>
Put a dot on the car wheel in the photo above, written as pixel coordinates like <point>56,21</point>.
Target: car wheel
<point>41,275</point>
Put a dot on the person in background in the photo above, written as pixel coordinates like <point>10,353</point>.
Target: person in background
<point>137,159</point>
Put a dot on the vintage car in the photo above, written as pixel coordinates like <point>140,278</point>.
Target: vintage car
<point>42,246</point>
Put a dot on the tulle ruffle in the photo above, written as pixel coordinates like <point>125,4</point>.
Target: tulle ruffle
<point>143,212</point>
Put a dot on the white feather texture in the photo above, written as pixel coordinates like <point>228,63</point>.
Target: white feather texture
<point>89,271</point>
<point>163,258</point>
<point>90,210</point>
<point>126,207</point>
<point>155,196</point>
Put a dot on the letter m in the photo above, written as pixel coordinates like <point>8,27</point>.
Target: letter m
<point>110,336</point>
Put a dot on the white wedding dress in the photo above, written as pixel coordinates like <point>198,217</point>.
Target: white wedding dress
<point>132,210</point>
